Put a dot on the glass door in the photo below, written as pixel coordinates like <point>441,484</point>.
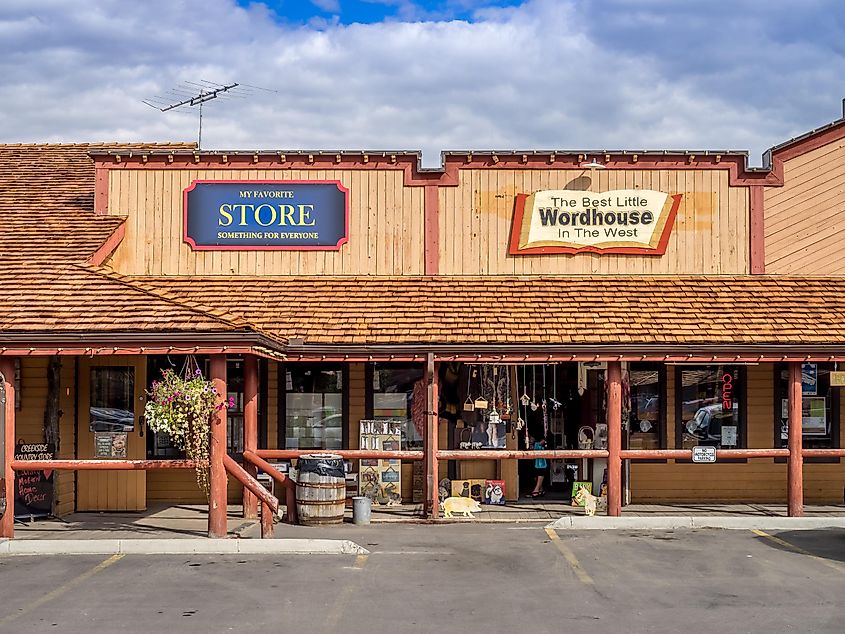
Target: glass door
<point>111,402</point>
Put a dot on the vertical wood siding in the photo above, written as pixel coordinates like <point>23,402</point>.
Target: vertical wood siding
<point>711,233</point>
<point>385,226</point>
<point>805,218</point>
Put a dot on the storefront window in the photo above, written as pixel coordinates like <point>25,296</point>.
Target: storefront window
<point>399,393</point>
<point>313,407</point>
<point>645,418</point>
<point>820,407</point>
<point>709,407</point>
<point>112,404</point>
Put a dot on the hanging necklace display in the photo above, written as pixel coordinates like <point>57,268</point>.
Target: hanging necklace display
<point>545,407</point>
<point>555,403</point>
<point>481,402</point>
<point>520,420</point>
<point>469,406</point>
<point>534,403</point>
<point>524,399</point>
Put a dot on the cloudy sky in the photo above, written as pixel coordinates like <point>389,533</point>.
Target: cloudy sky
<point>425,74</point>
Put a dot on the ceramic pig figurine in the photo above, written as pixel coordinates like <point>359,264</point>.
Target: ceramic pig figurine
<point>464,506</point>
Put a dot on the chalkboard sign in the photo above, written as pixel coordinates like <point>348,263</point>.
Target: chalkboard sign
<point>34,489</point>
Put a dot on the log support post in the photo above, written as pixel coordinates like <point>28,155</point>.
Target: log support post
<point>266,521</point>
<point>7,444</point>
<point>250,502</point>
<point>795,462</point>
<point>432,502</point>
<point>217,525</point>
<point>614,438</point>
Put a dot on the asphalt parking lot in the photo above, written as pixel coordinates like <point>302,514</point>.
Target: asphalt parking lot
<point>451,578</point>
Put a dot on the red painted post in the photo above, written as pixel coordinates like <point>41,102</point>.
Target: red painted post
<point>614,438</point>
<point>266,521</point>
<point>432,495</point>
<point>250,429</point>
<point>217,526</point>
<point>7,369</point>
<point>795,462</point>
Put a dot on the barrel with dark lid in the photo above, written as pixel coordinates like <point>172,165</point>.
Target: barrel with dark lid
<point>320,489</point>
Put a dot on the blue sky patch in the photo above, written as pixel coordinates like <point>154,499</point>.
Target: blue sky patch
<point>371,11</point>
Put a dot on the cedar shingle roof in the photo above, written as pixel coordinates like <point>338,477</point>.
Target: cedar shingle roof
<point>48,227</point>
<point>66,298</point>
<point>529,310</point>
<point>47,201</point>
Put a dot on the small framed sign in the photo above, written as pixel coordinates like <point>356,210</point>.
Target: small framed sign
<point>703,454</point>
<point>837,379</point>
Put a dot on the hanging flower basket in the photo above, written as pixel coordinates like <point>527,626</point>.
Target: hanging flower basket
<point>182,407</point>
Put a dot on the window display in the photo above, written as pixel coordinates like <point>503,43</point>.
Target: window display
<point>112,404</point>
<point>645,415</point>
<point>709,406</point>
<point>313,407</point>
<point>819,406</point>
<point>398,393</point>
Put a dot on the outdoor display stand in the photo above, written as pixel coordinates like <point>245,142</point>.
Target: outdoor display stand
<point>381,480</point>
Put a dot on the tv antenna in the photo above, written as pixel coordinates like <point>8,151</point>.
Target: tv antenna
<point>194,95</point>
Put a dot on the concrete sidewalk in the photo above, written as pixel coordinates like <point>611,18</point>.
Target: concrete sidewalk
<point>673,522</point>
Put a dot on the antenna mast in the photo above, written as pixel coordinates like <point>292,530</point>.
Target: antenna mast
<point>195,94</point>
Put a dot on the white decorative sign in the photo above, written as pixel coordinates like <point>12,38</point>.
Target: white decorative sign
<point>635,221</point>
<point>703,454</point>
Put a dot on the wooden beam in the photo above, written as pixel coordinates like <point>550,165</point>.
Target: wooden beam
<point>614,438</point>
<point>795,462</point>
<point>7,376</point>
<point>240,474</point>
<point>430,444</point>
<point>250,502</point>
<point>217,524</point>
<point>288,484</point>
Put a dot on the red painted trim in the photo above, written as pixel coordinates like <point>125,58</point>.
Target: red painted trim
<point>195,247</point>
<point>810,143</point>
<point>414,176</point>
<point>757,253</point>
<point>107,248</point>
<point>432,229</point>
<point>101,189</point>
<point>519,219</point>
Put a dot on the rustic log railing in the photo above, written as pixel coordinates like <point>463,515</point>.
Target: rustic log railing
<point>269,503</point>
<point>288,484</point>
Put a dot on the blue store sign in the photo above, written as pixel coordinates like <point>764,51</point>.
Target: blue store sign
<point>266,215</point>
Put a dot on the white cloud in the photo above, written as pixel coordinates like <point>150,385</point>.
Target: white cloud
<point>327,5</point>
<point>548,74</point>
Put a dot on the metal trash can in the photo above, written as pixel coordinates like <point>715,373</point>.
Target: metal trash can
<point>362,508</point>
<point>320,489</point>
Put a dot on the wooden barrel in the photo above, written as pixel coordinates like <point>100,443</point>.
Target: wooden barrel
<point>320,489</point>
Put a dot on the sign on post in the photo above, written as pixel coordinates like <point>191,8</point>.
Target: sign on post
<point>266,215</point>
<point>703,454</point>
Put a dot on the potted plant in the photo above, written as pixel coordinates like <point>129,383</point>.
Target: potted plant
<point>181,406</point>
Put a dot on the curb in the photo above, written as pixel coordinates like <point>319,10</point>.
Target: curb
<point>181,547</point>
<point>672,522</point>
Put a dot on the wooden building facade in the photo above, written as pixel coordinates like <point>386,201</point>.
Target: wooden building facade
<point>735,274</point>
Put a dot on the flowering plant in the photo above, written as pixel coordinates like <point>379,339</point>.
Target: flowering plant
<point>182,407</point>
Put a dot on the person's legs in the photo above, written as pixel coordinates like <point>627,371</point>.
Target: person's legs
<point>538,486</point>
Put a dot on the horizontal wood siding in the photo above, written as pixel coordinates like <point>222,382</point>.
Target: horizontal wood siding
<point>179,486</point>
<point>385,226</point>
<point>711,234</point>
<point>805,218</point>
<point>758,480</point>
<point>29,420</point>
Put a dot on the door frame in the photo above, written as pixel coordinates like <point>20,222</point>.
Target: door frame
<point>111,490</point>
